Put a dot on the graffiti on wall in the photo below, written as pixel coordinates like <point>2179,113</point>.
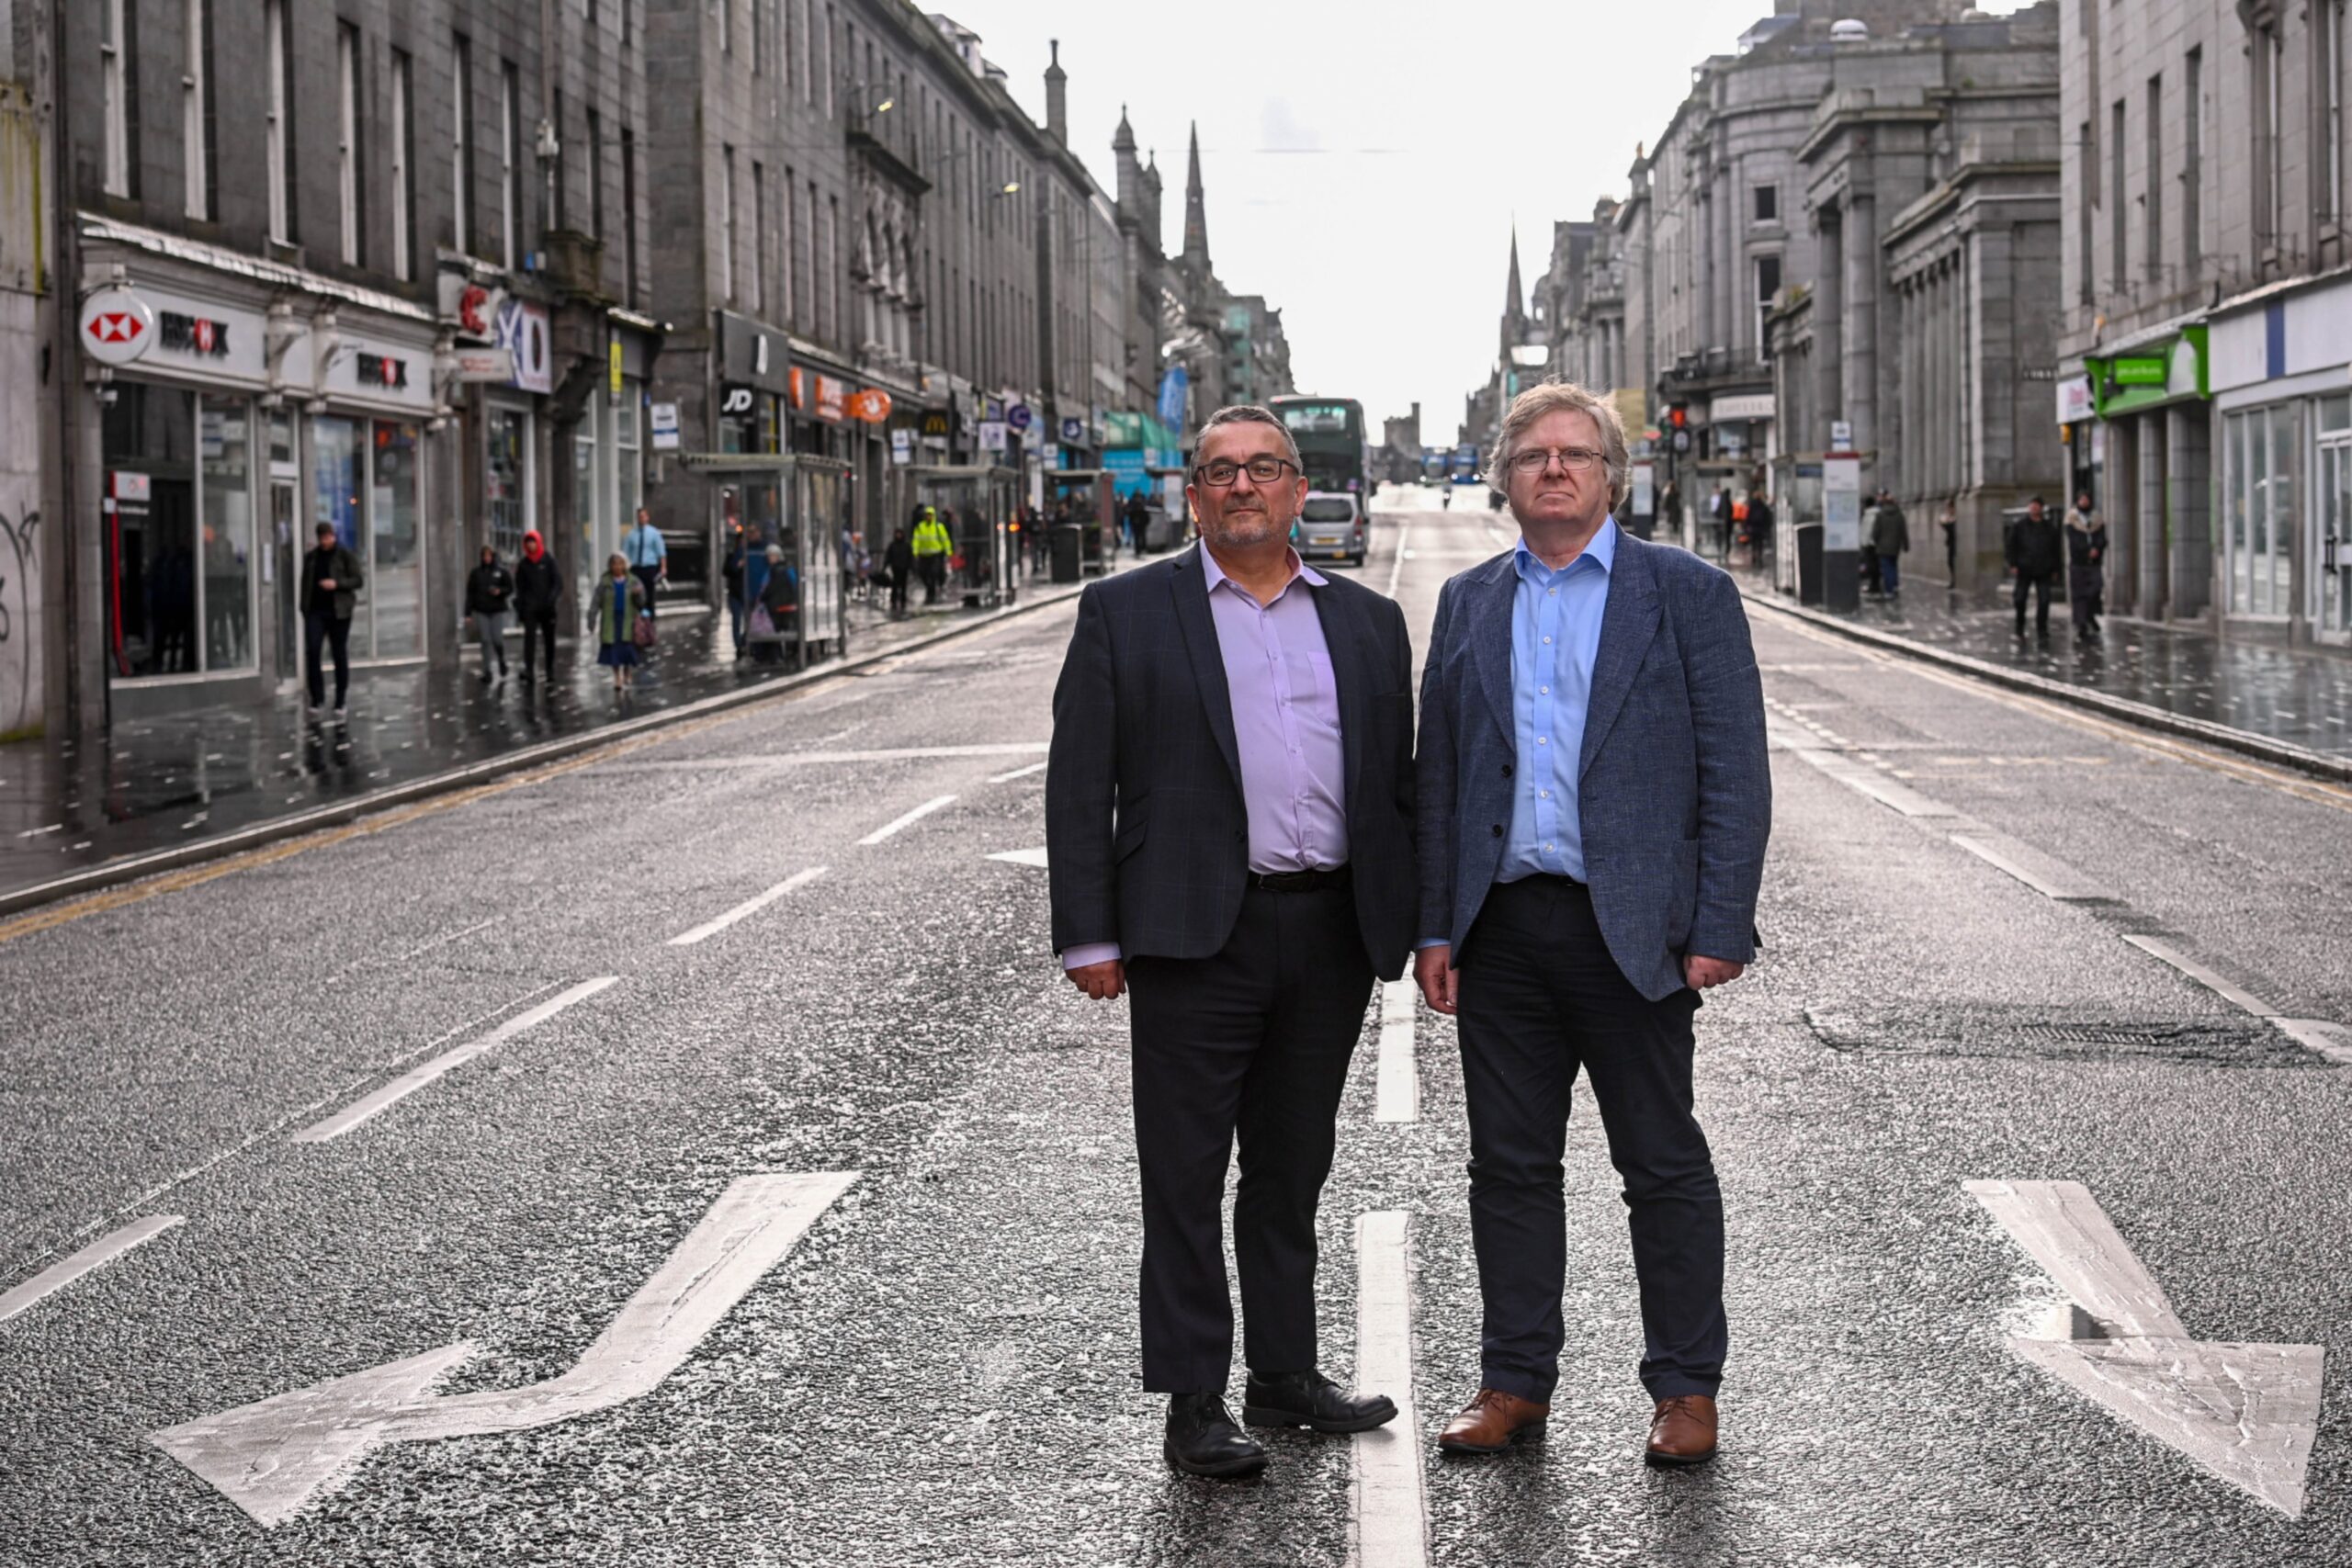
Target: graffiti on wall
<point>19,625</point>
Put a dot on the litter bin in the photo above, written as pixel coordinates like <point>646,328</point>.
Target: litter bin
<point>1809,574</point>
<point>1069,544</point>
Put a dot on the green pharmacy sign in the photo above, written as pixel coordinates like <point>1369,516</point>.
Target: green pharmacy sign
<point>2139,370</point>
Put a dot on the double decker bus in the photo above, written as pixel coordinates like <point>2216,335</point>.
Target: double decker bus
<point>1330,432</point>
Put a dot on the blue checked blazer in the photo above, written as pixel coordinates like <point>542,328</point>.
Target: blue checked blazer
<point>1147,834</point>
<point>1675,789</point>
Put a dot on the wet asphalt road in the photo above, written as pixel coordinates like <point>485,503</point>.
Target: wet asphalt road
<point>943,1372</point>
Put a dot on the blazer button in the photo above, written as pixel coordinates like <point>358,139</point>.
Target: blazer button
<point>1498,830</point>
<point>1506,770</point>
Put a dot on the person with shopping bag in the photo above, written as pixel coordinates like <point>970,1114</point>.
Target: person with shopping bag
<point>619,614</point>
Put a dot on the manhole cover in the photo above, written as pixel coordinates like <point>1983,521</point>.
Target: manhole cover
<point>2030,1032</point>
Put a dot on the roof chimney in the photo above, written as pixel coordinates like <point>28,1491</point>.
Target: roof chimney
<point>1057,112</point>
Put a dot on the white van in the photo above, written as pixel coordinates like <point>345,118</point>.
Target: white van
<point>1330,524</point>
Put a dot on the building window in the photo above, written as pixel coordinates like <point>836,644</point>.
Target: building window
<point>2269,183</point>
<point>196,143</point>
<point>118,74</point>
<point>2259,527</point>
<point>559,205</point>
<point>509,155</point>
<point>726,10</point>
<point>461,146</point>
<point>2087,163</point>
<point>628,215</point>
<point>404,164</point>
<point>346,150</point>
<point>2152,228</point>
<point>727,224</point>
<point>2192,166</point>
<point>833,269</point>
<point>1768,204</point>
<point>791,303</point>
<point>2331,65</point>
<point>759,240</point>
<point>760,35</point>
<point>595,176</point>
<point>2118,269</point>
<point>1768,289</point>
<point>364,485</point>
<point>278,67</point>
<point>506,484</point>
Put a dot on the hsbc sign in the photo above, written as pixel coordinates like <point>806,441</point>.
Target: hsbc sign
<point>116,326</point>
<point>194,335</point>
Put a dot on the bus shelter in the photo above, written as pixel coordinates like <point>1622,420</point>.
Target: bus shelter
<point>979,504</point>
<point>1170,524</point>
<point>788,511</point>
<point>1093,497</point>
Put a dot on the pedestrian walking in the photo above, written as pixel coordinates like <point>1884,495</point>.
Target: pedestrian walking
<point>931,548</point>
<point>1594,861</point>
<point>620,603</point>
<point>489,598</point>
<point>731,572</point>
<point>899,564</point>
<point>779,604</point>
<point>2086,568</point>
<point>1138,520</point>
<point>1949,521</point>
<point>538,592</point>
<point>1889,536</point>
<point>2036,553</point>
<point>331,584</point>
<point>648,554</point>
<point>1760,526</point>
<point>1231,834</point>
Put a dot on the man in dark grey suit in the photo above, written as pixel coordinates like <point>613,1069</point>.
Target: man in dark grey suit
<point>1594,802</point>
<point>1228,821</point>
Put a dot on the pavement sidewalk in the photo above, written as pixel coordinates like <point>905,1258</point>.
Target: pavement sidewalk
<point>162,792</point>
<point>2289,705</point>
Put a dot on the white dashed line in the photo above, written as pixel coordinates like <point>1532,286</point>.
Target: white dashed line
<point>2051,878</point>
<point>1865,780</point>
<point>1387,1527</point>
<point>1397,570</point>
<point>98,1255</point>
<point>912,817</point>
<point>748,907</point>
<point>417,1077</point>
<point>1396,1094</point>
<point>1035,857</point>
<point>1019,773</point>
<point>2164,951</point>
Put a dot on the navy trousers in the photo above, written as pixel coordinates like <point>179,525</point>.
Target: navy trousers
<point>1249,1045</point>
<point>1539,1000</point>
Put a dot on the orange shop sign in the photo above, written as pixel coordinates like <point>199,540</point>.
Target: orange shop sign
<point>871,404</point>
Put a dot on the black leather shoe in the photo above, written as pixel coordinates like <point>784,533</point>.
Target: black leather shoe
<point>1203,1440</point>
<point>1310,1399</point>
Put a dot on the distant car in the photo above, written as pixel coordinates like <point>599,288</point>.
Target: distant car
<point>1330,524</point>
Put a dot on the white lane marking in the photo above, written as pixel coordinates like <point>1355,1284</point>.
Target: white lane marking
<point>2245,1412</point>
<point>2164,951</point>
<point>272,1457</point>
<point>1397,570</point>
<point>416,1078</point>
<point>1022,857</point>
<point>917,814</point>
<point>2333,1041</point>
<point>98,1255</point>
<point>1866,780</point>
<point>1019,773</point>
<point>1397,1095</point>
<point>807,759</point>
<point>2049,877</point>
<point>1387,1525</point>
<point>748,907</point>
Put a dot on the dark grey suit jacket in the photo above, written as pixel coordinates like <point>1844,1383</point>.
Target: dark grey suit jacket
<point>1147,836</point>
<point>1674,786</point>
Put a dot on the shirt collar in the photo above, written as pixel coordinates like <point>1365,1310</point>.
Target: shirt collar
<point>1212,574</point>
<point>1603,551</point>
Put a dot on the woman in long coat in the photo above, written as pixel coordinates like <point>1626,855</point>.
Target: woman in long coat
<point>620,600</point>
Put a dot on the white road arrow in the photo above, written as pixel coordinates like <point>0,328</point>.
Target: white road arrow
<point>2244,1412</point>
<point>273,1457</point>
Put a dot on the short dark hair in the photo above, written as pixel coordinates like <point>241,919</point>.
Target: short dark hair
<point>2036,501</point>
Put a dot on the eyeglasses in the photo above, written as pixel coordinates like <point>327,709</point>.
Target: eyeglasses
<point>1261,471</point>
<point>1575,459</point>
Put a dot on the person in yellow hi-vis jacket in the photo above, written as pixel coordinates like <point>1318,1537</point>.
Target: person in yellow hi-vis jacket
<point>932,547</point>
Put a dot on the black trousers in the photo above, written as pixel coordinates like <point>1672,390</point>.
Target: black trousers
<point>538,633</point>
<point>1251,1045</point>
<point>2040,588</point>
<point>1540,999</point>
<point>2088,603</point>
<point>334,632</point>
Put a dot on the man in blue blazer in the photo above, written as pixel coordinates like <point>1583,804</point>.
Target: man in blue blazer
<point>1593,805</point>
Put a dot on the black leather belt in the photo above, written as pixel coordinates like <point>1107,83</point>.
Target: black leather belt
<point>1302,881</point>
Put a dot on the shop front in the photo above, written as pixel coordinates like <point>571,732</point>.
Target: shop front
<point>2282,397</point>
<point>2153,462</point>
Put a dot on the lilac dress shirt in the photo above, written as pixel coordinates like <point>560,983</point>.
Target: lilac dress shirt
<point>1286,728</point>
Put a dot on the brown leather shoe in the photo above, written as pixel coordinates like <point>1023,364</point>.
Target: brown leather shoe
<point>1682,1430</point>
<point>1492,1422</point>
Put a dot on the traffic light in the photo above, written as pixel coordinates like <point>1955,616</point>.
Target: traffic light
<point>1677,416</point>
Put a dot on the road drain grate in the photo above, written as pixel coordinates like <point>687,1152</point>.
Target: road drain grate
<point>2023,1032</point>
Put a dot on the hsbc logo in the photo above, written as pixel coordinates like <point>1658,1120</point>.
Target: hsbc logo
<point>116,326</point>
<point>193,335</point>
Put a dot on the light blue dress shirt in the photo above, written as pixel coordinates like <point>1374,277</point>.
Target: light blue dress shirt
<point>1555,634</point>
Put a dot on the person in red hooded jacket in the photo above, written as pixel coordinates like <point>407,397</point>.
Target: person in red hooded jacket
<point>539,589</point>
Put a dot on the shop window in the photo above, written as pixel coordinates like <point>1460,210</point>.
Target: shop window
<point>150,448</point>
<point>2260,528</point>
<point>507,483</point>
<point>225,504</point>
<point>397,588</point>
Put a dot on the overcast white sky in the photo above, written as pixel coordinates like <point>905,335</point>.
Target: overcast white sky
<point>1364,160</point>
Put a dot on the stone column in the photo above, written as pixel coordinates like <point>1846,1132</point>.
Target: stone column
<point>2188,455</point>
<point>2150,470</point>
<point>1828,323</point>
<point>1858,251</point>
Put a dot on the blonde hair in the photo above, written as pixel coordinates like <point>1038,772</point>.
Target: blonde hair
<point>1553,397</point>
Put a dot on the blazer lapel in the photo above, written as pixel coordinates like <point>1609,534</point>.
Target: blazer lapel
<point>1628,621</point>
<point>1489,609</point>
<point>1192,594</point>
<point>1346,647</point>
